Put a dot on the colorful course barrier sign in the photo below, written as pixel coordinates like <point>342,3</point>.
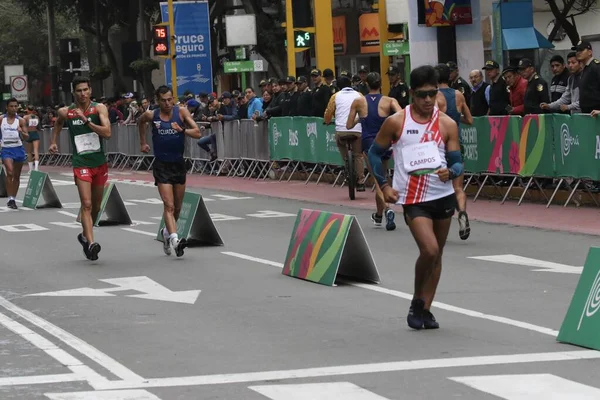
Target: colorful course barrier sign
<point>324,245</point>
<point>581,325</point>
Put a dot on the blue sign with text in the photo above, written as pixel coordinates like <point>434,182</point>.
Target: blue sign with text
<point>192,44</point>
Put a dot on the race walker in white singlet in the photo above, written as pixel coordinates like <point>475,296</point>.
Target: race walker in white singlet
<point>420,147</point>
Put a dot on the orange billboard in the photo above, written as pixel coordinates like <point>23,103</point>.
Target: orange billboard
<point>340,40</point>
<point>368,25</point>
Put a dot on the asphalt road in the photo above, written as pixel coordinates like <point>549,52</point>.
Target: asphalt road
<point>252,333</point>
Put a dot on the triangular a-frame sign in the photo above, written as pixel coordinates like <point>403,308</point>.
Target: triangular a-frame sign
<point>3,192</point>
<point>195,223</point>
<point>113,207</point>
<point>324,245</point>
<point>39,187</point>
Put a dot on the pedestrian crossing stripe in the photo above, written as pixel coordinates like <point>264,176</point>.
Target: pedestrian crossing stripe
<point>317,391</point>
<point>529,386</point>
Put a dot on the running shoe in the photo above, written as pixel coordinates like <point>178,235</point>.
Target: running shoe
<point>429,321</point>
<point>12,204</point>
<point>376,219</point>
<point>84,243</point>
<point>390,225</point>
<point>464,229</point>
<point>415,314</point>
<point>94,249</point>
<point>166,244</point>
<point>179,245</point>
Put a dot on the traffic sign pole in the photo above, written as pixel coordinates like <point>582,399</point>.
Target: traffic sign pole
<point>289,27</point>
<point>173,50</point>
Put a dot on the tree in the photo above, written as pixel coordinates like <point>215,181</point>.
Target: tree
<point>21,42</point>
<point>563,18</point>
<point>112,13</point>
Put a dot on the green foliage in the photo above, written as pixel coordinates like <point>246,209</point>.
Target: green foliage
<point>23,38</point>
<point>144,65</point>
<point>100,73</point>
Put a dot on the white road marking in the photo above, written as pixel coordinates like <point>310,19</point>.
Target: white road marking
<point>104,395</point>
<point>147,201</point>
<point>358,369</point>
<point>136,222</point>
<point>223,217</point>
<point>73,225</point>
<point>541,265</point>
<point>317,391</point>
<point>74,205</point>
<point>75,343</point>
<point>530,386</point>
<point>53,351</point>
<point>39,379</point>
<point>158,218</point>
<point>271,214</point>
<point>140,232</point>
<point>227,197</point>
<point>406,296</point>
<point>150,290</point>
<point>23,228</point>
<point>255,259</point>
<point>68,214</point>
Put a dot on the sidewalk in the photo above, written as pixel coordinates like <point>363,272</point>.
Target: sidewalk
<point>584,220</point>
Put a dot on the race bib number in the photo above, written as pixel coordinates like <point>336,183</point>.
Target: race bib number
<point>421,157</point>
<point>33,122</point>
<point>87,143</point>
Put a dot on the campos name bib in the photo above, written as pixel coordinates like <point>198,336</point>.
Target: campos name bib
<point>421,157</point>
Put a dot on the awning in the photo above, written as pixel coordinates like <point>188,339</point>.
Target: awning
<point>524,38</point>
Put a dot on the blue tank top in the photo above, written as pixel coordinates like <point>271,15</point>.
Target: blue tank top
<point>451,110</point>
<point>168,144</point>
<point>372,122</point>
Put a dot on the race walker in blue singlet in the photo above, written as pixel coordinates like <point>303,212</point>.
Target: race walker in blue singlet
<point>170,125</point>
<point>372,111</point>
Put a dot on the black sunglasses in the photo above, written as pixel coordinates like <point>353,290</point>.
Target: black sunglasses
<point>422,94</point>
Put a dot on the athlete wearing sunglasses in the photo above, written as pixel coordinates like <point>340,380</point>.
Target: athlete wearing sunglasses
<point>427,157</point>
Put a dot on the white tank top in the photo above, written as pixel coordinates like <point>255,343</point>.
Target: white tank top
<point>10,133</point>
<point>343,104</point>
<point>415,189</point>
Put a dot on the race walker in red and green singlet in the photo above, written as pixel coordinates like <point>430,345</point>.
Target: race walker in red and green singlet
<point>89,160</point>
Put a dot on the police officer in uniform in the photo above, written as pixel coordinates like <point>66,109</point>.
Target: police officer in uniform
<point>589,85</point>
<point>361,86</point>
<point>458,83</point>
<point>537,89</point>
<point>288,105</point>
<point>320,94</point>
<point>304,107</point>
<point>398,90</point>
<point>329,80</point>
<point>498,97</point>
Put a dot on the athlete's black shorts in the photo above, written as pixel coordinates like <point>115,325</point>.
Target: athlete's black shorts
<point>172,173</point>
<point>435,209</point>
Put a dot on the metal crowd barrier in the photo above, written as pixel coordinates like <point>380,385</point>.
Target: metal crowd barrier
<point>242,149</point>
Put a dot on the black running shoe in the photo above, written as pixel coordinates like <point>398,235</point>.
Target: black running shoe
<point>94,249</point>
<point>415,314</point>
<point>429,321</point>
<point>85,244</point>
<point>376,219</point>
<point>360,187</point>
<point>464,229</point>
<point>12,204</point>
<point>181,245</point>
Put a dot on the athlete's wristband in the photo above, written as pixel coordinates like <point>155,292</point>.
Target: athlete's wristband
<point>183,131</point>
